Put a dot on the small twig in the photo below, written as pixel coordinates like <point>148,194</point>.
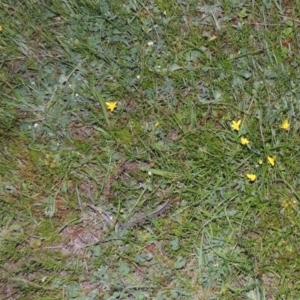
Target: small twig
<point>161,209</point>
<point>103,214</point>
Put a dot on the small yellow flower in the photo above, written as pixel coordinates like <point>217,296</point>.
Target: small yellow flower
<point>285,125</point>
<point>271,160</point>
<point>1,28</point>
<point>235,125</point>
<point>251,177</point>
<point>260,161</point>
<point>244,141</point>
<point>156,124</point>
<point>111,105</point>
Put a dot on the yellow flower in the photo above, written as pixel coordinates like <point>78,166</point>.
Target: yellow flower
<point>156,124</point>
<point>285,125</point>
<point>271,160</point>
<point>251,177</point>
<point>111,105</point>
<point>1,28</point>
<point>260,161</point>
<point>244,141</point>
<point>235,125</point>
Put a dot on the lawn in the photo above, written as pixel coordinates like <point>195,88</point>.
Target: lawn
<point>149,149</point>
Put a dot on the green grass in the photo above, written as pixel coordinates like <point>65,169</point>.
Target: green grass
<point>180,72</point>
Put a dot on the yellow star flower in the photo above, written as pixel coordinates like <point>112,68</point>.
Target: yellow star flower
<point>244,141</point>
<point>271,160</point>
<point>251,177</point>
<point>111,105</point>
<point>235,125</point>
<point>285,125</point>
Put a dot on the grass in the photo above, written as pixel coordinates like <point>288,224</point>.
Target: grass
<point>181,73</point>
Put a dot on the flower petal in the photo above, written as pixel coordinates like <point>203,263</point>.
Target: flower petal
<point>235,125</point>
<point>271,160</point>
<point>111,105</point>
<point>285,125</point>
<point>251,177</point>
<point>244,141</point>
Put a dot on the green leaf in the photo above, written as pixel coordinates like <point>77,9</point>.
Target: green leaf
<point>175,244</point>
<point>174,67</point>
<point>100,99</point>
<point>180,263</point>
<point>124,268</point>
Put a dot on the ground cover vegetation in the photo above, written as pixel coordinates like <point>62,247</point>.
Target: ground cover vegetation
<point>149,149</point>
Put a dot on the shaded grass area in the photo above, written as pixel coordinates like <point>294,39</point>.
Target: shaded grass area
<point>180,74</point>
